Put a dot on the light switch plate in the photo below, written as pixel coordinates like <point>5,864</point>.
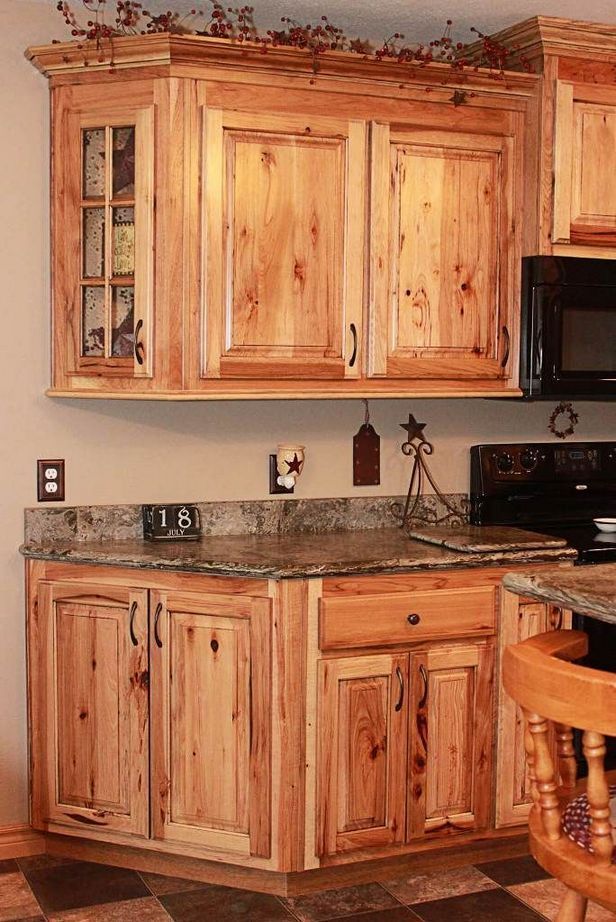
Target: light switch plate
<point>50,481</point>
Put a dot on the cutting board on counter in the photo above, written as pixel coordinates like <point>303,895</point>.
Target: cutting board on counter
<point>484,539</point>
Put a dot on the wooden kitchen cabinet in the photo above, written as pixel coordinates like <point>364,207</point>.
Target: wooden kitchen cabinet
<point>282,233</point>
<point>585,164</point>
<point>211,687</point>
<point>363,729</point>
<point>520,619</point>
<point>208,672</point>
<point>89,709</point>
<point>283,213</point>
<point>444,249</point>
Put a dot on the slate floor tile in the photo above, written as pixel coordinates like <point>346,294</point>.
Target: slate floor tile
<point>400,914</point>
<point>224,904</point>
<point>337,904</point>
<point>545,896</point>
<point>35,862</point>
<point>145,910</point>
<point>160,884</point>
<point>9,866</point>
<point>487,906</point>
<point>81,883</point>
<point>437,885</point>
<point>511,871</point>
<point>16,899</point>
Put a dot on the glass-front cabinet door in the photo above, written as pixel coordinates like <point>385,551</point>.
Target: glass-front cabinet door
<point>103,258</point>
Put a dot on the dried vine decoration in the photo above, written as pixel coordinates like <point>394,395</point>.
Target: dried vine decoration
<point>563,409</point>
<point>238,24</point>
<point>417,448</point>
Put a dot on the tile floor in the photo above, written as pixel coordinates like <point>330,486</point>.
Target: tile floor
<point>45,888</point>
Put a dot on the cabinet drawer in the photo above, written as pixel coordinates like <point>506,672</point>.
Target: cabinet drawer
<point>408,617</point>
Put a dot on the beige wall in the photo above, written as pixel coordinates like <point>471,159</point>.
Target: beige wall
<point>138,452</point>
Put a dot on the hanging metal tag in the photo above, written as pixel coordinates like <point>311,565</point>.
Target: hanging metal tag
<point>366,457</point>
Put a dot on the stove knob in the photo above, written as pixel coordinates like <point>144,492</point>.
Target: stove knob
<point>504,463</point>
<point>529,458</point>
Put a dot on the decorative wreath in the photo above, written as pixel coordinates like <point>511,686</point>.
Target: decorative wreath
<point>563,409</point>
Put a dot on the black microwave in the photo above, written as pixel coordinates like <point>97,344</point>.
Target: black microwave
<point>568,334</point>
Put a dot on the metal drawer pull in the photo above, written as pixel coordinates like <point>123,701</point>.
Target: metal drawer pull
<point>505,358</point>
<point>139,349</point>
<point>400,701</point>
<point>353,330</point>
<point>424,675</point>
<point>159,609</point>
<point>131,624</point>
<point>414,618</point>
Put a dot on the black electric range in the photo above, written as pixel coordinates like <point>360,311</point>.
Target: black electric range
<point>555,490</point>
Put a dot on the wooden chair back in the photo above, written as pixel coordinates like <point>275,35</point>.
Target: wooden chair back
<point>540,677</point>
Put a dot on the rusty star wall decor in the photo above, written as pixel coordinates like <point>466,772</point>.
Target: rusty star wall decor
<point>124,164</point>
<point>414,429</point>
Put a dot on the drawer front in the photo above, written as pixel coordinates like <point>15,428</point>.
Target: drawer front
<point>406,617</point>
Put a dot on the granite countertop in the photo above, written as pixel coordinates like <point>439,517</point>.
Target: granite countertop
<point>292,555</point>
<point>586,590</point>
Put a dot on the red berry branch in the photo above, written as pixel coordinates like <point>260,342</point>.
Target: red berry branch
<point>237,24</point>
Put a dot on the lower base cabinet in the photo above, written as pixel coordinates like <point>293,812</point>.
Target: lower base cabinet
<point>405,746</point>
<point>274,725</point>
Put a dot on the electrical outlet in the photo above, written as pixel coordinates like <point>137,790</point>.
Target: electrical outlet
<point>50,481</point>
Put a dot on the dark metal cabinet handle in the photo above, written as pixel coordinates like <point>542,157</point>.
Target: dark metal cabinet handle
<point>400,700</point>
<point>139,348</point>
<point>131,624</point>
<point>424,675</point>
<point>159,609</point>
<point>505,357</point>
<point>353,330</point>
<point>413,618</point>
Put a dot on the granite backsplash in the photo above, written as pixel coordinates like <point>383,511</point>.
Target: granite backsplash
<point>250,517</point>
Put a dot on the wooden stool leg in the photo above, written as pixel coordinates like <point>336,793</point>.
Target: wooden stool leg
<point>573,907</point>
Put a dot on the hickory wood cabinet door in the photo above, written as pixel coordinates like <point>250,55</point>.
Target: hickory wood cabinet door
<point>443,253</point>
<point>520,619</point>
<point>116,172</point>
<point>405,746</point>
<point>89,709</point>
<point>585,165</point>
<point>363,716</point>
<point>450,759</point>
<point>211,679</point>
<point>283,225</point>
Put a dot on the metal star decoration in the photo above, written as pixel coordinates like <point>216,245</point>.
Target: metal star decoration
<point>414,429</point>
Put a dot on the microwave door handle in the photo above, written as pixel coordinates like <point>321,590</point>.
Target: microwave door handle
<point>538,352</point>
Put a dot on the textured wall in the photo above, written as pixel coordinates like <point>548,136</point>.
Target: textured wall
<point>134,451</point>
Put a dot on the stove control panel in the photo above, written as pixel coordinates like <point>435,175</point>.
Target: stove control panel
<point>534,462</point>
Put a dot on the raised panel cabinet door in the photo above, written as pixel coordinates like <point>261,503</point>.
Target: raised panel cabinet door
<point>451,739</point>
<point>585,165</point>
<point>283,220</point>
<point>211,676</point>
<point>362,732</point>
<point>88,662</point>
<point>520,619</point>
<point>443,252</point>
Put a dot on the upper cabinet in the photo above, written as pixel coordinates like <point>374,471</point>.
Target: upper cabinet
<point>570,207</point>
<point>283,234</point>
<point>229,223</point>
<point>585,164</point>
<point>443,251</point>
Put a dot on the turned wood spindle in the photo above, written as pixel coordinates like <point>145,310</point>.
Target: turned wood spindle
<point>567,765</point>
<point>529,747</point>
<point>598,796</point>
<point>545,775</point>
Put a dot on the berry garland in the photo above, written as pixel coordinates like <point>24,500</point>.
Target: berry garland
<point>238,24</point>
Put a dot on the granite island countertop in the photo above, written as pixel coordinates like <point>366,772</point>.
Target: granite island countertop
<point>586,590</point>
<point>345,553</point>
